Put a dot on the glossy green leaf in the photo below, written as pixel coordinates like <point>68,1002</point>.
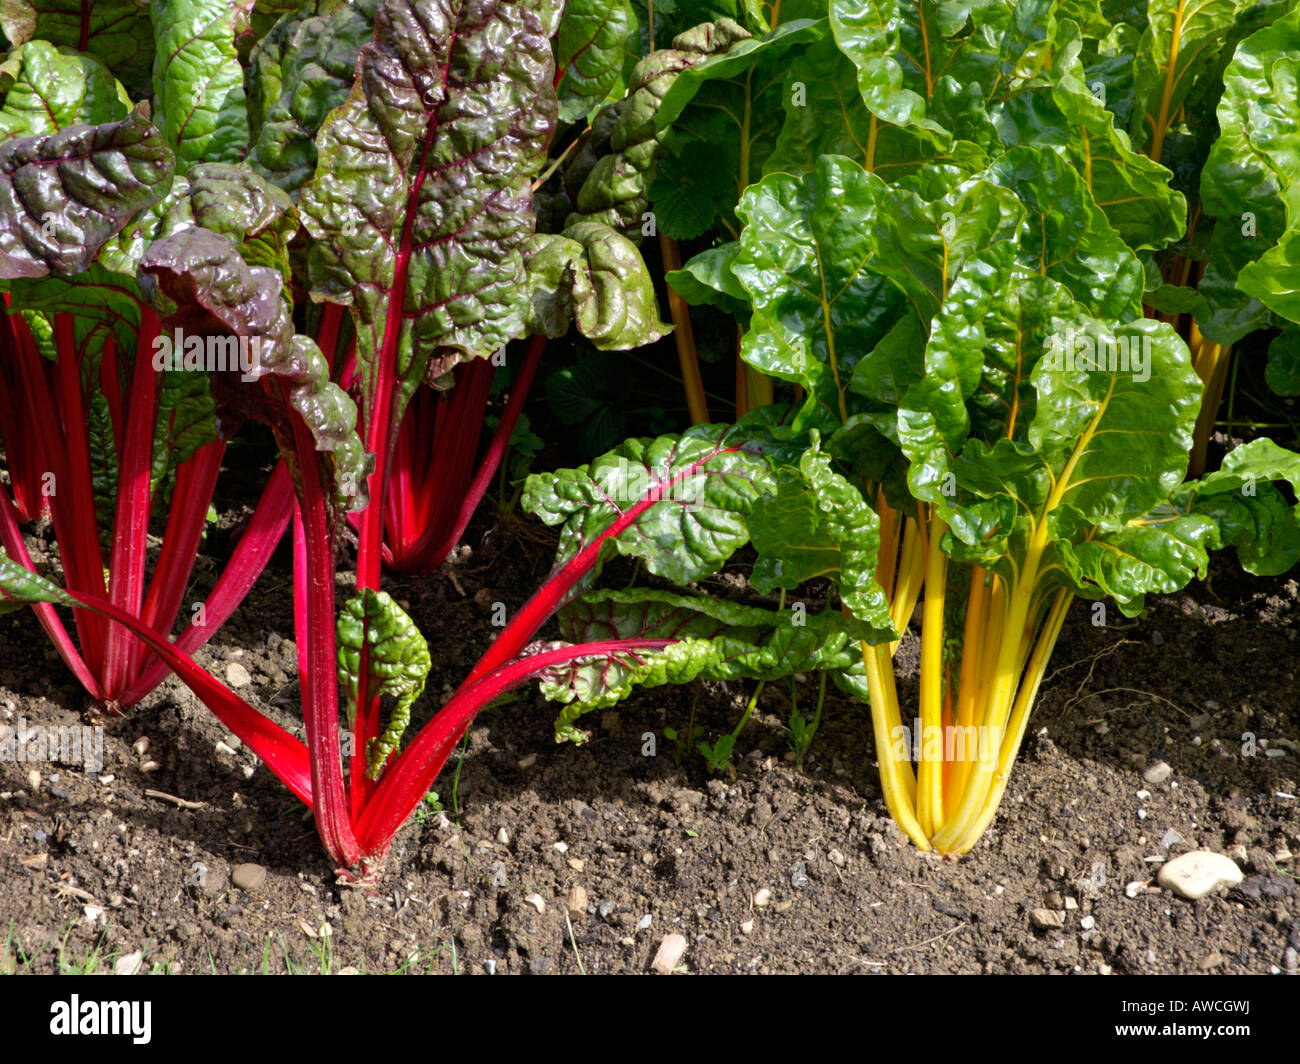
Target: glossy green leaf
<point>716,640</point>
<point>818,525</point>
<point>64,195</point>
<point>1250,185</point>
<point>198,82</point>
<point>298,73</point>
<point>1066,236</point>
<point>679,503</point>
<point>421,207</point>
<point>589,48</point>
<point>708,279</point>
<point>397,659</point>
<point>55,88</point>
<point>609,179</point>
<point>596,277</point>
<point>804,258</point>
<point>117,32</point>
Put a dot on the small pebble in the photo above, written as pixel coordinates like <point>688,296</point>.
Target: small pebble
<point>606,907</point>
<point>526,762</point>
<point>490,966</point>
<point>1088,923</point>
<point>237,675</point>
<point>1157,639</point>
<point>577,901</point>
<point>1157,772</point>
<point>762,897</point>
<point>503,836</point>
<point>1196,874</point>
<point>537,902</point>
<point>1135,888</point>
<point>141,746</point>
<point>128,965</point>
<point>799,875</point>
<point>836,858</point>
<point>248,876</point>
<point>1045,919</point>
<point>560,847</point>
<point>747,927</point>
<point>669,954</point>
<point>577,864</point>
<point>644,923</point>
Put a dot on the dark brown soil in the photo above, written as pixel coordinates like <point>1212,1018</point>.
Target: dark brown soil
<point>94,870</point>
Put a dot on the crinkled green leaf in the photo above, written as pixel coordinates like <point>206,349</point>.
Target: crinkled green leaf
<point>608,179</point>
<point>589,48</point>
<point>185,422</point>
<point>421,208</point>
<point>894,77</point>
<point>596,277</point>
<point>102,447</point>
<point>1250,185</point>
<point>716,640</point>
<point>804,258</point>
<point>1135,193</point>
<point>1066,236</point>
<point>1248,510</point>
<point>118,32</point>
<point>1181,41</point>
<point>298,73</point>
<point>54,88</point>
<point>731,104</point>
<point>198,82</point>
<point>397,658</point>
<point>700,487</point>
<point>818,525</point>
<point>825,115</point>
<point>64,195</point>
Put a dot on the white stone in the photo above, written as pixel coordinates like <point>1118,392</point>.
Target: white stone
<point>669,954</point>
<point>128,965</point>
<point>1196,874</point>
<point>1157,772</point>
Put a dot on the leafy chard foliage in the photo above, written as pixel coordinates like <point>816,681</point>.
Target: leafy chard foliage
<point>380,159</point>
<point>951,260</point>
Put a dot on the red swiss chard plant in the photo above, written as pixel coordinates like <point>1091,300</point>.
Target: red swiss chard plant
<point>103,427</point>
<point>414,214</point>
